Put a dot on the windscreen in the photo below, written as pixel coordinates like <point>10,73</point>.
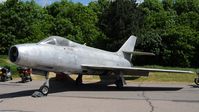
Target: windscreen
<point>55,40</point>
<point>51,41</point>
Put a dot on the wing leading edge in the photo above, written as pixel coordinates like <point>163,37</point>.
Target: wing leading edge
<point>130,70</point>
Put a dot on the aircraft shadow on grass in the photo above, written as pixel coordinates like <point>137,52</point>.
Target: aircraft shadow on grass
<point>68,84</point>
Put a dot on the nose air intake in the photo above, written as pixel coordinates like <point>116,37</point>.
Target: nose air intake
<point>13,54</point>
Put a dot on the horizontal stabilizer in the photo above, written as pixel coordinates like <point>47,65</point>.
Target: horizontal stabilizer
<point>140,53</point>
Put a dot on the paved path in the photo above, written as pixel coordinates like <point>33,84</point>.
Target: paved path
<point>65,96</point>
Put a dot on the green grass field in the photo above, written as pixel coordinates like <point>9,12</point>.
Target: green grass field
<point>5,62</point>
<point>169,77</point>
<point>153,77</point>
<point>165,77</point>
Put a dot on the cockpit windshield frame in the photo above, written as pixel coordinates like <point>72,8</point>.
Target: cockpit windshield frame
<point>51,41</point>
<point>55,40</point>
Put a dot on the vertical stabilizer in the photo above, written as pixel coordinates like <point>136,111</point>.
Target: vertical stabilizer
<point>127,48</point>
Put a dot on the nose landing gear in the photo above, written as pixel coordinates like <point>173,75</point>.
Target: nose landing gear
<point>44,89</point>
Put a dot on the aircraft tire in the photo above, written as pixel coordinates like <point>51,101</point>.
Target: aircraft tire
<point>78,81</point>
<point>196,80</point>
<point>44,90</point>
<point>119,84</point>
<point>30,79</point>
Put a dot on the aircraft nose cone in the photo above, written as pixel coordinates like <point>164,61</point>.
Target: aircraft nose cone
<point>13,54</point>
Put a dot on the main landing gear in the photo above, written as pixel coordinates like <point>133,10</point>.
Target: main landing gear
<point>196,80</point>
<point>120,81</point>
<point>78,80</point>
<point>44,89</point>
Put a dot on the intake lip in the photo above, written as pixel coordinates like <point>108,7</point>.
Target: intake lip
<point>13,54</point>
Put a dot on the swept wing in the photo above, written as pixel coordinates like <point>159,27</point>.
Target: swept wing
<point>137,71</point>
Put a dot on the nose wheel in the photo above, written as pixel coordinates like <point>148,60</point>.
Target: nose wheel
<point>43,90</point>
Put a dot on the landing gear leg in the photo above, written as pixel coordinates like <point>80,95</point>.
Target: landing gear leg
<point>44,89</point>
<point>78,80</point>
<point>120,81</point>
<point>196,80</point>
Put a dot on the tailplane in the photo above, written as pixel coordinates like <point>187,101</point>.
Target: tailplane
<point>127,49</point>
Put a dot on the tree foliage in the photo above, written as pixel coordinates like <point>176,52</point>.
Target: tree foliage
<point>175,23</point>
<point>168,28</point>
<point>120,20</point>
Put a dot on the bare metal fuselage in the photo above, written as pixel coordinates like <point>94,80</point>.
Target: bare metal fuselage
<point>67,59</point>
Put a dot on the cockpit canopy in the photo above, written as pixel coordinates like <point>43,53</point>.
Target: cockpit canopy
<point>55,40</point>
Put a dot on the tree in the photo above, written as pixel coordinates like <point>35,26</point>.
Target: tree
<point>21,22</point>
<point>75,21</point>
<point>120,20</point>
<point>184,6</point>
<point>178,48</point>
<point>168,28</point>
<point>175,24</point>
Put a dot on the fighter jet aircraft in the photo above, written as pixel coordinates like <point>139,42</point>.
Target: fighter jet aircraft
<point>60,55</point>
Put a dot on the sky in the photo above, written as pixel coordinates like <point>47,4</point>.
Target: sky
<point>2,1</point>
<point>85,2</point>
<point>44,2</point>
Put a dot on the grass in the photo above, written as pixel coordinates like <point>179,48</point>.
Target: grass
<point>5,62</point>
<point>166,77</point>
<point>153,77</point>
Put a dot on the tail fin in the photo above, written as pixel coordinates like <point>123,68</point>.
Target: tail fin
<point>127,48</point>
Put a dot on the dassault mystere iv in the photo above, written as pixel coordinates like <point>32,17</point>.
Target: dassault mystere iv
<point>60,55</point>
